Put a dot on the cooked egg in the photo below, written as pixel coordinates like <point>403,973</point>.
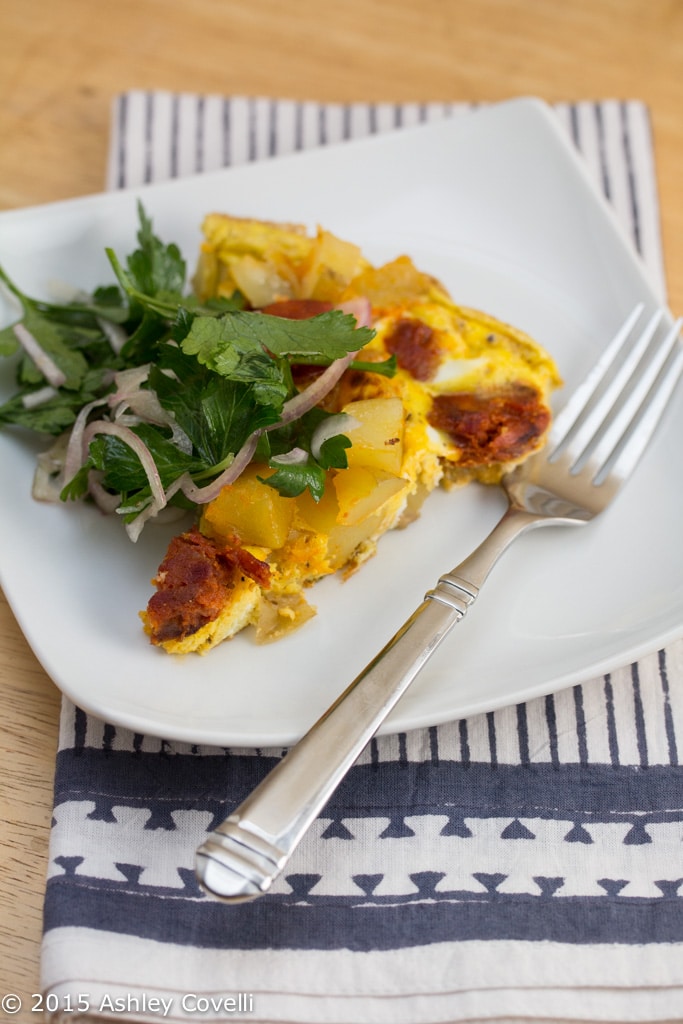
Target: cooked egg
<point>469,400</point>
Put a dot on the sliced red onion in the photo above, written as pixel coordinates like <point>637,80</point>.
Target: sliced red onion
<point>169,513</point>
<point>295,457</point>
<point>202,495</point>
<point>128,384</point>
<point>163,515</point>
<point>34,399</point>
<point>45,487</point>
<point>293,409</point>
<point>131,379</point>
<point>130,395</point>
<point>126,419</point>
<point>330,427</point>
<point>76,450</point>
<point>126,435</point>
<point>136,526</point>
<point>145,405</point>
<point>178,436</point>
<point>47,366</point>
<point>64,293</point>
<point>315,392</point>
<point>104,499</point>
<point>360,308</point>
<point>114,333</point>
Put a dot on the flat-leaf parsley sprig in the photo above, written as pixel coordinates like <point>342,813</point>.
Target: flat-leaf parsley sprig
<point>159,400</point>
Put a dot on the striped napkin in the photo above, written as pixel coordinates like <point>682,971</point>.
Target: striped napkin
<point>525,864</point>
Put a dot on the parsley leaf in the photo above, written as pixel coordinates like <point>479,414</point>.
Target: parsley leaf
<point>216,413</point>
<point>238,356</point>
<point>333,452</point>
<point>155,268</point>
<point>53,340</point>
<point>122,469</point>
<point>58,412</point>
<point>292,480</point>
<point>331,334</point>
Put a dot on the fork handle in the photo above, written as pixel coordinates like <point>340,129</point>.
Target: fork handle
<point>240,859</point>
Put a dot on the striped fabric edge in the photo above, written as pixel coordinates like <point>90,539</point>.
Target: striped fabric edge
<point>438,986</point>
<point>160,135</point>
<point>632,716</point>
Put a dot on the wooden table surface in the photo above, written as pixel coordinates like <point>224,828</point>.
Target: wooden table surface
<point>62,62</point>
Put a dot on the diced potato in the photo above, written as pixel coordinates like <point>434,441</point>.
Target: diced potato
<point>362,492</point>
<point>259,281</point>
<point>353,509</point>
<point>257,513</point>
<point>377,441</point>
<point>319,516</point>
<point>394,284</point>
<point>343,541</point>
<point>330,265</point>
<point>206,278</point>
<point>256,256</point>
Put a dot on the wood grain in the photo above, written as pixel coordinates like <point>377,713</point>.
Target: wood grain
<point>62,63</point>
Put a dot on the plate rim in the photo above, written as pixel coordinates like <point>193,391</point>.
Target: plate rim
<point>397,723</point>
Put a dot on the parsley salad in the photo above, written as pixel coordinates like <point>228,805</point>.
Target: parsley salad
<point>157,400</point>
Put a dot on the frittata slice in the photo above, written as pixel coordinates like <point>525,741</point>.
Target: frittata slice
<point>469,399</point>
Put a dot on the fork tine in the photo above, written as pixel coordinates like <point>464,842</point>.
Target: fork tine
<point>568,418</point>
<point>609,420</point>
<point>583,440</point>
<point>598,435</point>
<point>622,446</point>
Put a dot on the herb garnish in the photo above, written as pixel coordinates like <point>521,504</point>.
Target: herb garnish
<point>166,396</point>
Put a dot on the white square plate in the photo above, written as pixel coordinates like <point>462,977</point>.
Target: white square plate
<point>497,206</point>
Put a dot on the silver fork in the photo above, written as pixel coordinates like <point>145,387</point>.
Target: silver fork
<point>593,446</point>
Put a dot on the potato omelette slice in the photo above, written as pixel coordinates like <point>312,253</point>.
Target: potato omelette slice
<point>469,399</point>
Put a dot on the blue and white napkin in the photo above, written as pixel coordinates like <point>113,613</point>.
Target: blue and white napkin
<point>525,864</point>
